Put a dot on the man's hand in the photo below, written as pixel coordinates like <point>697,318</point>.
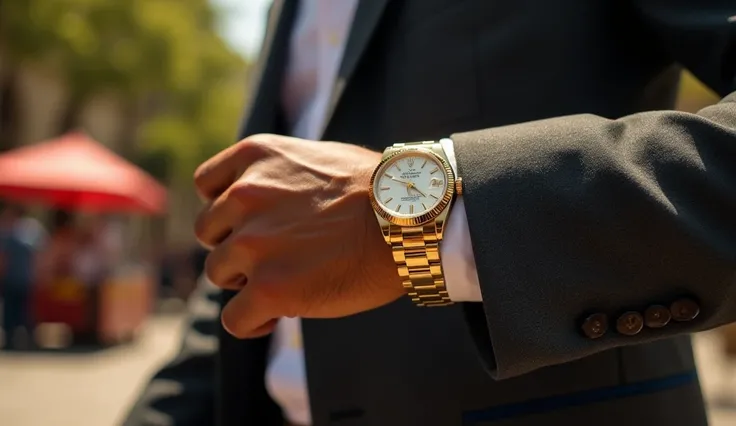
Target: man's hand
<point>290,226</point>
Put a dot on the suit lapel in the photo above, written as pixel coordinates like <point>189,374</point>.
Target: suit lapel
<point>269,69</point>
<point>367,16</point>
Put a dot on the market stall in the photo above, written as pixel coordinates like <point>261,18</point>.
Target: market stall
<point>75,173</point>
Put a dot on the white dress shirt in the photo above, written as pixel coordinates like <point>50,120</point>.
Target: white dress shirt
<point>317,44</point>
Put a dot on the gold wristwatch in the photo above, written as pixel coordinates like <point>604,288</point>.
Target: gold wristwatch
<point>412,191</point>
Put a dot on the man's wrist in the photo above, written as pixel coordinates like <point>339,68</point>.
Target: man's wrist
<point>453,275</point>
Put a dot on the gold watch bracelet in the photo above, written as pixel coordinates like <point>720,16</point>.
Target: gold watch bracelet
<point>416,252</point>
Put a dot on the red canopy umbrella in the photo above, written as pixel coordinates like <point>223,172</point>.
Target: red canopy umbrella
<point>76,172</point>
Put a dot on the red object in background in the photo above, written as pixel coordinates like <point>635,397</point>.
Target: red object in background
<point>47,308</point>
<point>77,173</point>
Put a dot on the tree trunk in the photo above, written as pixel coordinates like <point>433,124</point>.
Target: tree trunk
<point>7,140</point>
<point>70,119</point>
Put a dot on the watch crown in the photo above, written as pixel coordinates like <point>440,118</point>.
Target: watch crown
<point>459,186</point>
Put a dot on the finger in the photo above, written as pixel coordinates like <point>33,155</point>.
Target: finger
<point>261,331</point>
<point>214,176</point>
<point>252,312</point>
<point>217,220</point>
<point>227,265</point>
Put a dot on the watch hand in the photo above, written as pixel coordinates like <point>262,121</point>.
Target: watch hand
<point>414,187</point>
<point>417,189</point>
<point>399,180</point>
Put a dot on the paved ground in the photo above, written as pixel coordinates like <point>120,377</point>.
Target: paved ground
<point>84,389</point>
<point>94,389</point>
<point>718,377</point>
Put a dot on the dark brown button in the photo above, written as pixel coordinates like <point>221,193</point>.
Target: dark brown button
<point>657,316</point>
<point>630,323</point>
<point>684,310</point>
<point>595,326</point>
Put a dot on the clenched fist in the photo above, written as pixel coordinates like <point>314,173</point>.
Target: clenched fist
<point>290,227</point>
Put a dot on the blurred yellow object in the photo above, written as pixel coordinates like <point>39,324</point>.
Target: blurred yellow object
<point>296,341</point>
<point>68,290</point>
<point>693,94</point>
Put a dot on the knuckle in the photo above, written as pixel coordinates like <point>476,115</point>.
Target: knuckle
<point>276,290</point>
<point>261,139</point>
<point>266,292</point>
<point>245,189</point>
<point>260,146</point>
<point>254,192</point>
<point>254,144</point>
<point>244,243</point>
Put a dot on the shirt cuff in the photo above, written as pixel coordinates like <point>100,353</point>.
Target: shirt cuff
<point>458,261</point>
<point>456,249</point>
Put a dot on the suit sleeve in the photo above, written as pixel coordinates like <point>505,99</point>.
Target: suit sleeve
<point>583,228</point>
<point>182,393</point>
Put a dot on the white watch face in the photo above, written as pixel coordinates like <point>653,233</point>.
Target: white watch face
<point>410,185</point>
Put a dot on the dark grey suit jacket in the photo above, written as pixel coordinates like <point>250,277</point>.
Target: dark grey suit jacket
<point>582,225</point>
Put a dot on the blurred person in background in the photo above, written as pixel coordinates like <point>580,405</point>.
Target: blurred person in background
<point>110,232</point>
<point>56,260</point>
<point>91,265</point>
<point>594,230</point>
<point>80,253</point>
<point>91,256</point>
<point>21,237</point>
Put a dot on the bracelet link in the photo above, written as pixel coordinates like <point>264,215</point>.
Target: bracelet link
<point>416,253</point>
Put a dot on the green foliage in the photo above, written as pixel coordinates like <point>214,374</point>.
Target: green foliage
<point>156,162</point>
<point>167,50</point>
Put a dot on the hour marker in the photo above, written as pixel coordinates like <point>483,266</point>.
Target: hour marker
<point>424,207</point>
<point>384,188</point>
<point>411,208</point>
<point>398,207</point>
<point>388,201</point>
<point>434,170</point>
<point>425,163</point>
<point>389,176</point>
<point>397,166</point>
<point>434,196</point>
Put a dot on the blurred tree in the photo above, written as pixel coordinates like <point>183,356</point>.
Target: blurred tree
<point>163,56</point>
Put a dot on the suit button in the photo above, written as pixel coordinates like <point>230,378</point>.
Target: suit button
<point>684,310</point>
<point>630,323</point>
<point>595,326</point>
<point>657,316</point>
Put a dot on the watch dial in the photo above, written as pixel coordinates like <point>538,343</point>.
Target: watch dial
<point>410,185</point>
